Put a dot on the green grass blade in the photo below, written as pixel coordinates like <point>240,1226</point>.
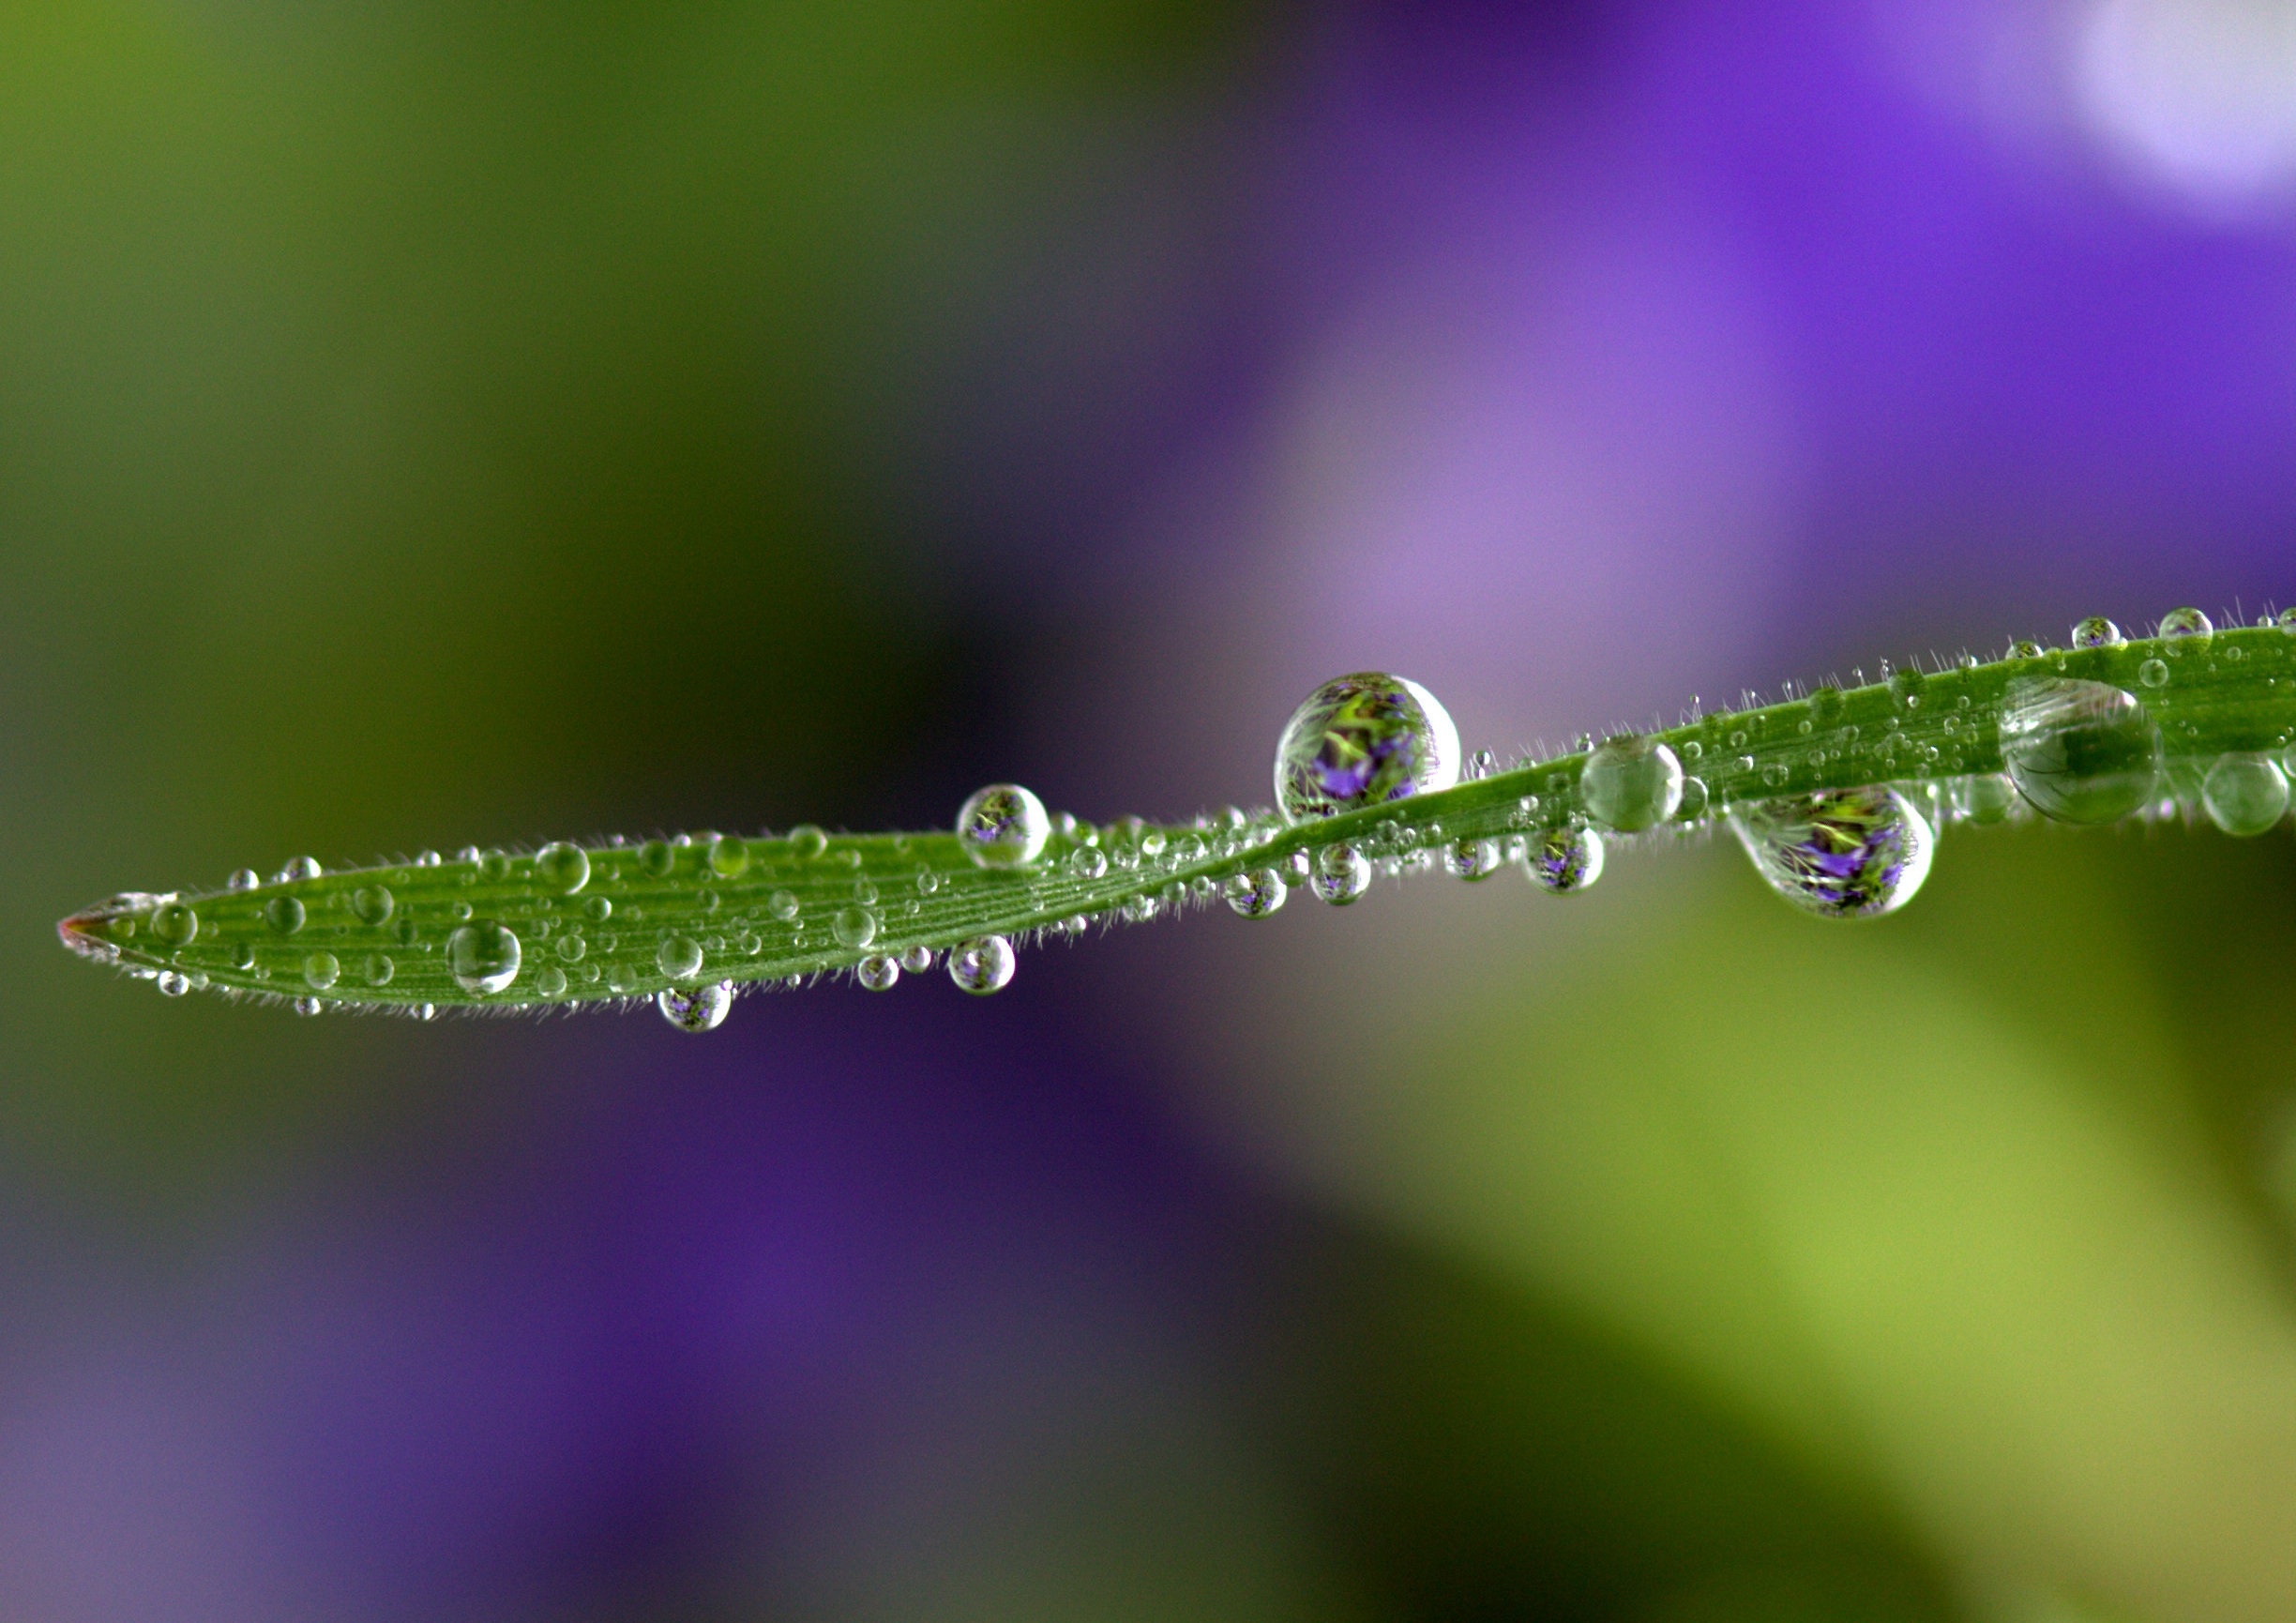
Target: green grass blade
<point>800,905</point>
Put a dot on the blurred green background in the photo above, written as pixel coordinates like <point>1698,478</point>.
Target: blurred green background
<point>423,425</point>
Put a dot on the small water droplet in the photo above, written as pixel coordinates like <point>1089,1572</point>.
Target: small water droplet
<point>1257,893</point>
<point>174,923</point>
<point>1342,874</point>
<point>321,970</point>
<point>1775,774</point>
<point>2078,752</point>
<point>377,969</point>
<point>307,1006</point>
<point>696,1009</point>
<point>2244,794</point>
<point>916,959</point>
<point>728,858</point>
<point>1471,860</point>
<point>301,868</point>
<point>1839,852</point>
<point>426,1012</point>
<point>877,971</point>
<point>864,891</point>
<point>853,926</point>
<point>562,865</point>
<point>1480,764</point>
<point>460,910</point>
<point>600,908</point>
<point>1565,861</point>
<point>243,879</point>
<point>2096,631</point>
<point>373,903</point>
<point>751,945</point>
<point>2286,621</point>
<point>284,914</point>
<point>1361,740</point>
<point>1088,862</point>
<point>2154,674</point>
<point>2188,625</point>
<point>1631,782</point>
<point>1141,909</point>
<point>173,983</point>
<point>808,840</point>
<point>783,905</point>
<point>1985,798</point>
<point>659,857</point>
<point>493,866</point>
<point>679,957</point>
<point>242,956</point>
<point>982,966</point>
<point>429,859</point>
<point>551,981</point>
<point>483,956</point>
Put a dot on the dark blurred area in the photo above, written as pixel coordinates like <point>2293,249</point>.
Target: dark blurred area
<point>423,425</point>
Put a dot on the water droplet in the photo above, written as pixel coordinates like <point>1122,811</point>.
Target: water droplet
<point>1294,867</point>
<point>1141,909</point>
<point>377,970</point>
<point>877,971</point>
<point>1985,798</point>
<point>301,868</point>
<point>1695,799</point>
<point>174,923</point>
<point>1631,782</point>
<point>2286,621</point>
<point>658,858</point>
<point>982,966</point>
<point>864,891</point>
<point>2188,625</point>
<point>1361,740</point>
<point>853,926</point>
<point>1471,860</point>
<point>493,866</point>
<point>1257,893</point>
<point>307,1006</point>
<point>459,909</point>
<point>1088,862</point>
<point>1003,826</point>
<point>242,956</point>
<point>562,865</point>
<point>726,859</point>
<point>373,903</point>
<point>243,879</point>
<point>2154,674</point>
<point>679,957</point>
<point>916,959</point>
<point>1839,852</point>
<point>284,914</point>
<point>426,1012</point>
<point>1775,774</point>
<point>1565,861</point>
<point>551,981</point>
<point>928,882</point>
<point>808,840</point>
<point>429,859</point>
<point>2246,794</point>
<point>483,956</point>
<point>2078,752</point>
<point>600,908</point>
<point>1480,764</point>
<point>2096,631</point>
<point>173,983</point>
<point>751,945</point>
<point>783,905</point>
<point>1342,875</point>
<point>321,970</point>
<point>698,1008</point>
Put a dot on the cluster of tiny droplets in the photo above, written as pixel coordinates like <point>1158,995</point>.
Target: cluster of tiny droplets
<point>2071,748</point>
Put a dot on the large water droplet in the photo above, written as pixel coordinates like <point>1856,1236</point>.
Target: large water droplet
<point>2188,624</point>
<point>2096,631</point>
<point>373,903</point>
<point>1258,893</point>
<point>877,971</point>
<point>2246,794</point>
<point>658,858</point>
<point>483,956</point>
<point>808,840</point>
<point>1471,860</point>
<point>284,914</point>
<point>679,957</point>
<point>243,879</point>
<point>174,923</point>
<point>853,926</point>
<point>1003,826</point>
<point>2078,752</point>
<point>551,981</point>
<point>726,859</point>
<point>1839,852</point>
<point>698,1008</point>
<point>1565,861</point>
<point>301,868</point>
<point>1631,782</point>
<point>378,969</point>
<point>1361,740</point>
<point>918,959</point>
<point>982,966</point>
<point>562,865</point>
<point>321,970</point>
